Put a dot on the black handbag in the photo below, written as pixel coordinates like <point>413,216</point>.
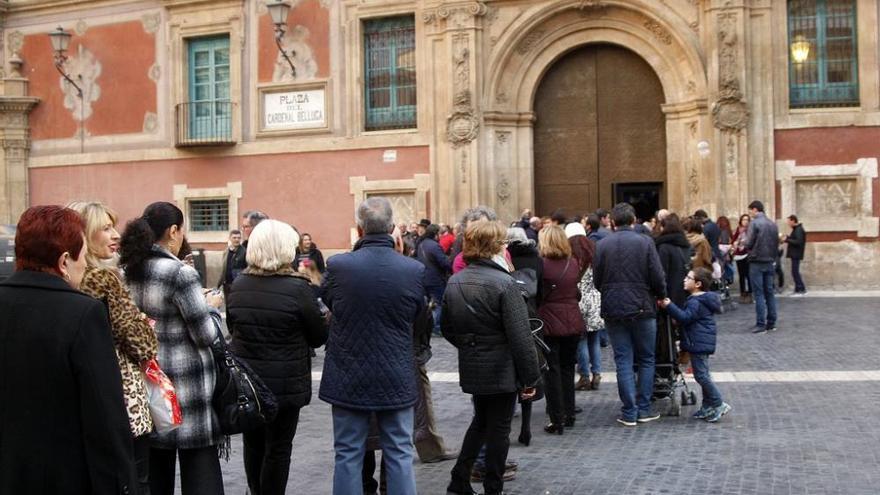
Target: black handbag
<point>241,400</point>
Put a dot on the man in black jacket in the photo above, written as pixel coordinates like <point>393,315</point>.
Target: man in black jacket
<point>796,241</point>
<point>710,231</point>
<point>628,273</point>
<point>762,242</point>
<point>249,220</point>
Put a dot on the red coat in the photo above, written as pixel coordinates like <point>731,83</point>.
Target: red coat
<point>559,309</point>
<point>446,241</point>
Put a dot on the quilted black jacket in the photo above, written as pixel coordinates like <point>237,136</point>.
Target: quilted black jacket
<point>274,321</point>
<point>485,316</point>
<point>628,273</point>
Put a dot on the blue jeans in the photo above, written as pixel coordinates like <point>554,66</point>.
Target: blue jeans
<point>350,429</point>
<point>589,354</point>
<point>711,394</point>
<point>634,342</point>
<point>762,278</point>
<point>436,294</point>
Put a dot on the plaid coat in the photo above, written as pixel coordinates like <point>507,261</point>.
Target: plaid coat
<point>171,294</point>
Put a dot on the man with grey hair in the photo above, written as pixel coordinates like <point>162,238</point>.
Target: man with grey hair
<point>369,362</point>
<point>249,220</point>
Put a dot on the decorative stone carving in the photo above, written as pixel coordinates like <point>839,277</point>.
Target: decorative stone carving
<point>458,11</point>
<point>658,31</point>
<point>403,206</point>
<point>151,22</point>
<point>81,27</point>
<point>463,164</point>
<point>151,122</point>
<point>827,197</point>
<point>730,112</point>
<point>502,97</point>
<point>730,156</point>
<point>502,137</point>
<point>503,189</point>
<point>461,61</point>
<point>462,126</point>
<point>155,72</point>
<point>304,60</point>
<point>85,69</point>
<point>529,41</point>
<point>693,181</point>
<point>16,41</point>
<point>591,7</point>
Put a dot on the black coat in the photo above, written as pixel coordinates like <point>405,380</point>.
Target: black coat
<point>796,241</point>
<point>437,265</point>
<point>627,272</point>
<point>674,251</point>
<point>485,317</point>
<point>712,233</point>
<point>63,424</point>
<point>314,255</point>
<point>274,321</point>
<point>523,256</point>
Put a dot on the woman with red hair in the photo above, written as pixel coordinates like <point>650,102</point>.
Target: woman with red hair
<point>62,417</point>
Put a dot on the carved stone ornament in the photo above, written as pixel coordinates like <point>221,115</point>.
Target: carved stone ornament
<point>658,31</point>
<point>693,182</point>
<point>503,191</point>
<point>81,27</point>
<point>529,41</point>
<point>458,12</point>
<point>15,41</point>
<point>462,126</point>
<point>151,22</point>
<point>591,7</point>
<point>155,72</point>
<point>730,114</point>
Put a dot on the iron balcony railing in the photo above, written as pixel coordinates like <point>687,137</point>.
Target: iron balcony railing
<point>205,123</point>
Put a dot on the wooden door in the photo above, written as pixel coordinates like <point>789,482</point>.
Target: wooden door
<point>598,123</point>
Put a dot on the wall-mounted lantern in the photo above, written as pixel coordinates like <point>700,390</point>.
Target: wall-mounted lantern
<point>279,10</point>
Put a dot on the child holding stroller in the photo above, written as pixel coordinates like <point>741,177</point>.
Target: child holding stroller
<point>698,337</point>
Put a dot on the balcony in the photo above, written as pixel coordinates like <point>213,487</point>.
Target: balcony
<point>204,123</point>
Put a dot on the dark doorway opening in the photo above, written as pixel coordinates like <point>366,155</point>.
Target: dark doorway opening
<point>643,196</point>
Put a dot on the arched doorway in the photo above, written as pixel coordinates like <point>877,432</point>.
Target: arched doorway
<point>599,133</point>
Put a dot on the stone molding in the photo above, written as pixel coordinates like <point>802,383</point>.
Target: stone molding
<point>419,186</point>
<point>232,192</point>
<point>836,184</point>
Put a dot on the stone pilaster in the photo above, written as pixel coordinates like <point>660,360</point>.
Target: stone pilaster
<point>454,30</point>
<point>14,147</point>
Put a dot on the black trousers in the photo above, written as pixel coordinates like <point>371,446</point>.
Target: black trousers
<point>491,426</point>
<point>199,471</point>
<point>142,464</point>
<point>559,379</point>
<point>267,453</point>
<point>742,266</point>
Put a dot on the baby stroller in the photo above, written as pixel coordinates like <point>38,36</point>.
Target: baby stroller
<point>669,382</point>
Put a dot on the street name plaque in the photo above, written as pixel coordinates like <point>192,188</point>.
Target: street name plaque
<point>294,110</point>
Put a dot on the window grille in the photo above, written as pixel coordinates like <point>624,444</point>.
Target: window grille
<point>828,77</point>
<point>390,73</point>
<point>209,215</point>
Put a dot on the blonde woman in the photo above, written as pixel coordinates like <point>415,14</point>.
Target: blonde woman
<point>133,336</point>
<point>563,324</point>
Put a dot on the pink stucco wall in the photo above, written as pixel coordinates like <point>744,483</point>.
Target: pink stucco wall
<point>308,190</point>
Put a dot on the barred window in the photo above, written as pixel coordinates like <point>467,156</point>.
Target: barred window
<point>209,215</point>
<point>390,73</point>
<point>823,55</point>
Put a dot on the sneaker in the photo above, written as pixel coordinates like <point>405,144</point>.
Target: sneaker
<point>771,328</point>
<point>718,412</point>
<point>626,422</point>
<point>703,413</point>
<point>759,329</point>
<point>647,418</point>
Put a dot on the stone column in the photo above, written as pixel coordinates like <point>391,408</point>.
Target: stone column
<point>14,145</point>
<point>729,105</point>
<point>454,30</point>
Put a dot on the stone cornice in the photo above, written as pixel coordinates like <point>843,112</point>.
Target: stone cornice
<point>22,104</point>
<point>444,11</point>
<point>30,6</point>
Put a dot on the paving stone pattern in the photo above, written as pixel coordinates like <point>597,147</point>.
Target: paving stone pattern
<point>780,438</point>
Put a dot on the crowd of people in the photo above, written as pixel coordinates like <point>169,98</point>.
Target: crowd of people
<point>527,307</point>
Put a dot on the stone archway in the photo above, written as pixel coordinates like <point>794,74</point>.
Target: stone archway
<point>546,33</point>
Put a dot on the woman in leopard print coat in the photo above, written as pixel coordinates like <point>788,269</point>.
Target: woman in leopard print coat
<point>133,336</point>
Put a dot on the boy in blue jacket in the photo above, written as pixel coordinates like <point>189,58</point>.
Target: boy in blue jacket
<point>698,338</point>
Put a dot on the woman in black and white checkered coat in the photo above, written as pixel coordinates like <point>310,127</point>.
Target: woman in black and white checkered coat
<point>170,292</point>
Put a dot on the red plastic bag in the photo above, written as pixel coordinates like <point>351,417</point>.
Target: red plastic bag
<point>164,406</point>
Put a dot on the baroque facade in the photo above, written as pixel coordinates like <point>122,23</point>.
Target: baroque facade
<point>511,103</point>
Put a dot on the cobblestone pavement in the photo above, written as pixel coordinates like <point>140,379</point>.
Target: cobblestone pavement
<point>791,437</point>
